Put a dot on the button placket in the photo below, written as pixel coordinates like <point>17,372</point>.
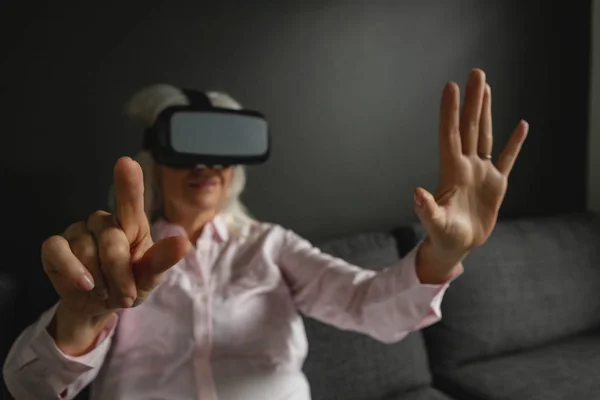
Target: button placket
<point>203,319</point>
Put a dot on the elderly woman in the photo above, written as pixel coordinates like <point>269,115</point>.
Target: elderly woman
<point>181,295</point>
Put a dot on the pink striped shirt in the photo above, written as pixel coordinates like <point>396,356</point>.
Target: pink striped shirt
<point>225,325</point>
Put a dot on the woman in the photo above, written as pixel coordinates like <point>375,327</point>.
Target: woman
<point>205,303</point>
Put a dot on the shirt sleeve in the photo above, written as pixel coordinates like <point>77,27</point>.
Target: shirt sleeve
<point>386,305</point>
<point>37,369</point>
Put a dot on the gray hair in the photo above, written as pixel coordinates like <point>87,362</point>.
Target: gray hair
<point>143,108</point>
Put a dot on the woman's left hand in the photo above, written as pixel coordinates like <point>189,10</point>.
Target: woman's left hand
<point>464,210</point>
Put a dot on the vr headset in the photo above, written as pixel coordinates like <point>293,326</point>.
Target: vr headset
<point>201,134</point>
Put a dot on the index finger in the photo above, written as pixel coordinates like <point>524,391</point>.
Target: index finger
<point>450,144</point>
<point>129,193</point>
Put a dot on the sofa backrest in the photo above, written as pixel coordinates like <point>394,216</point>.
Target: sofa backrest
<point>351,366</point>
<point>535,281</point>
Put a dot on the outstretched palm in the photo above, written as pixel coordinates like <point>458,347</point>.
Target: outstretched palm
<point>464,210</point>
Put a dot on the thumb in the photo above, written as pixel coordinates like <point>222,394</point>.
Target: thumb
<point>430,214</point>
<point>161,256</point>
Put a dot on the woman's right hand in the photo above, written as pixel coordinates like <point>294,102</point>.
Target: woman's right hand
<point>106,263</point>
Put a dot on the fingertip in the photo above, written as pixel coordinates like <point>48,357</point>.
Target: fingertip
<point>423,198</point>
<point>125,164</point>
<point>179,247</point>
<point>424,193</point>
<point>85,283</point>
<point>184,244</point>
<point>478,73</point>
<point>524,128</point>
<point>418,197</point>
<point>420,191</point>
<point>450,100</point>
<point>124,159</point>
<point>126,301</point>
<point>128,178</point>
<point>451,88</point>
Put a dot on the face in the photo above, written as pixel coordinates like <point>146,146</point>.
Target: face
<point>193,190</point>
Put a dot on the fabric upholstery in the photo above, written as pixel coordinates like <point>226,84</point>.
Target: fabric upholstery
<point>427,393</point>
<point>533,282</point>
<point>351,366</point>
<point>558,371</point>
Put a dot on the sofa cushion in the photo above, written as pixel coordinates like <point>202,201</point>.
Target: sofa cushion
<point>375,250</point>
<point>351,366</point>
<point>426,393</point>
<point>534,281</point>
<point>564,370</point>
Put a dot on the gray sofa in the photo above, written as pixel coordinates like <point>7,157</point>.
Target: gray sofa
<point>522,322</point>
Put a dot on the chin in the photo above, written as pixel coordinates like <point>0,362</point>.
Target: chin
<point>205,204</point>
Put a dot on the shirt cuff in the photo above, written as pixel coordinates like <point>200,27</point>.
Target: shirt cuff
<point>425,298</point>
<point>44,346</point>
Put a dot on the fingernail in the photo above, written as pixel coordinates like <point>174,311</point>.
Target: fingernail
<point>525,127</point>
<point>85,283</point>
<point>418,200</point>
<point>127,302</point>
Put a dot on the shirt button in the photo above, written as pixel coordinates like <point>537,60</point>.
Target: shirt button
<point>204,298</point>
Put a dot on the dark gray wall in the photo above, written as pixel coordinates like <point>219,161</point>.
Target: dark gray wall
<point>593,182</point>
<point>351,89</point>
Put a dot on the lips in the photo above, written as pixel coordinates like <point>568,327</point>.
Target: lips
<point>204,182</point>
